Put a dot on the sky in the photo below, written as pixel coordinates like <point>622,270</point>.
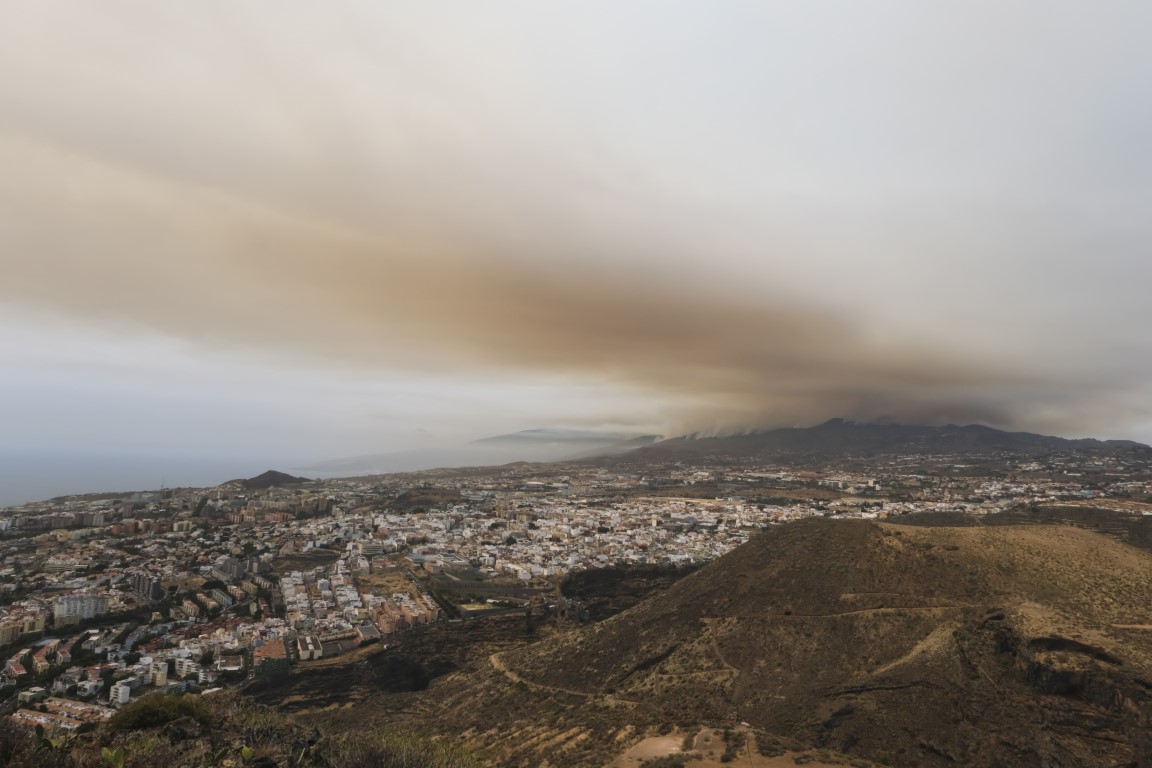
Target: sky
<point>293,231</point>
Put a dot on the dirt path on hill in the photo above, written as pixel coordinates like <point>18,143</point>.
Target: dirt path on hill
<point>710,623</point>
<point>859,612</point>
<point>498,663</point>
<point>869,611</point>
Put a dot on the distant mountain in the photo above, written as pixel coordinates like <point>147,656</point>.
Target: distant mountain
<point>833,439</point>
<point>271,479</point>
<point>840,438</point>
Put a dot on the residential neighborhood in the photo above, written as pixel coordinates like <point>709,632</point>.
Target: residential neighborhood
<point>109,596</point>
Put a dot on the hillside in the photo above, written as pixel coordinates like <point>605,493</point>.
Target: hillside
<point>271,479</point>
<point>840,438</point>
<point>221,729</point>
<point>907,645</point>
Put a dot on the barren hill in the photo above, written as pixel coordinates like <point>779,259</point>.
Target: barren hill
<point>908,645</point>
<point>271,479</point>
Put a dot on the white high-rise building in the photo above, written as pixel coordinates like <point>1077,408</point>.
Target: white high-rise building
<point>70,609</point>
<point>121,693</point>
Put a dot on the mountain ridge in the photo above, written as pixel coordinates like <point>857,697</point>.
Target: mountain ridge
<point>841,437</point>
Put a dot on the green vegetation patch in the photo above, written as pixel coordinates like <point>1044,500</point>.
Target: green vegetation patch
<point>158,709</point>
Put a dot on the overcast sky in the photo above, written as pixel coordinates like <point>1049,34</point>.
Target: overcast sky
<point>321,229</point>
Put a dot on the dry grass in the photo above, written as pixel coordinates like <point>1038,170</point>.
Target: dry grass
<point>831,633</point>
<point>837,633</point>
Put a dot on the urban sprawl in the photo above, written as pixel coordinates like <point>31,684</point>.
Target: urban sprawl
<point>106,597</point>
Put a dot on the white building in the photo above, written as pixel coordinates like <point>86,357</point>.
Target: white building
<point>70,609</point>
<point>121,693</point>
<point>158,673</point>
<point>186,667</point>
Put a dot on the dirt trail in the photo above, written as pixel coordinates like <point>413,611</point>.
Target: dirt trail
<point>865,611</point>
<point>858,612</point>
<point>711,624</point>
<point>498,663</point>
<point>936,640</point>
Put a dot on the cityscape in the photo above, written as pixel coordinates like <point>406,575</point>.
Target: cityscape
<point>110,596</point>
<point>657,384</point>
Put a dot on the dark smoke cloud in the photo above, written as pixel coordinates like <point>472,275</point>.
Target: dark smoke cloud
<point>129,249</point>
<point>893,217</point>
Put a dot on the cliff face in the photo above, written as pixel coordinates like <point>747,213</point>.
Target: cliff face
<point>1112,700</point>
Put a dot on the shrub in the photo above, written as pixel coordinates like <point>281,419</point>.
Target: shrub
<point>21,748</point>
<point>158,709</point>
<point>734,741</point>
<point>376,750</point>
<point>882,757</point>
<point>668,761</point>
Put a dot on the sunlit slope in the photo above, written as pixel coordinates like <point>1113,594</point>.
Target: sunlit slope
<point>975,646</point>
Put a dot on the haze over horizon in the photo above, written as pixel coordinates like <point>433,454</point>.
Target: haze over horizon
<point>292,231</point>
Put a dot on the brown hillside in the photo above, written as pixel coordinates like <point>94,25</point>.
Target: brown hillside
<point>1024,646</point>
<point>271,479</point>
